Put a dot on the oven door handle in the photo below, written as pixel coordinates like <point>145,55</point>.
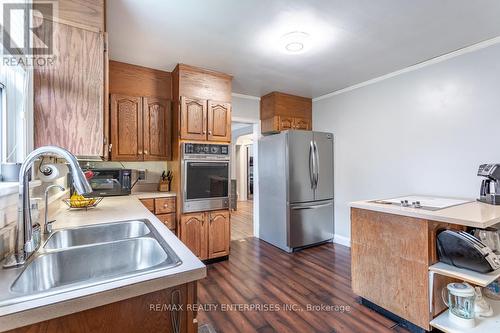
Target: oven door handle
<point>214,164</point>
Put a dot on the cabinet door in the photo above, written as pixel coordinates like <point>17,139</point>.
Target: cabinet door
<point>302,124</point>
<point>285,123</point>
<point>193,119</point>
<point>219,121</point>
<point>219,233</point>
<point>126,128</point>
<point>68,95</point>
<point>157,129</point>
<point>193,233</point>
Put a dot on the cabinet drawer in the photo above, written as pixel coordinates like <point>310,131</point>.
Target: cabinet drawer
<point>168,220</point>
<point>164,205</point>
<point>149,203</point>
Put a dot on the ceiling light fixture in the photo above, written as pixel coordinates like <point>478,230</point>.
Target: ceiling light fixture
<point>295,42</point>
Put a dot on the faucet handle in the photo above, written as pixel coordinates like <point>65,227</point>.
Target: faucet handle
<point>48,227</point>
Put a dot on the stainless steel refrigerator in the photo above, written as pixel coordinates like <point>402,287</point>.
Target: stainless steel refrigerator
<point>296,189</point>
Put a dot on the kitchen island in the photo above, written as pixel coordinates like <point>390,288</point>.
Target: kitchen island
<point>122,304</point>
<point>393,248</point>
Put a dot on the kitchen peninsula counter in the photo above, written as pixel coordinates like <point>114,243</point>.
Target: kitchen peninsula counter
<point>392,248</point>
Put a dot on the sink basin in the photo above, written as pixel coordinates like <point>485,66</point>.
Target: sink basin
<point>91,264</point>
<point>93,234</point>
<point>82,257</point>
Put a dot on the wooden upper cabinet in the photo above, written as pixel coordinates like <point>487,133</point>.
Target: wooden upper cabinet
<point>126,128</point>
<point>219,230</point>
<point>68,96</point>
<point>193,233</point>
<point>193,119</point>
<point>285,123</point>
<point>219,121</point>
<point>202,100</point>
<point>157,129</point>
<point>83,14</point>
<point>302,124</point>
<point>279,112</point>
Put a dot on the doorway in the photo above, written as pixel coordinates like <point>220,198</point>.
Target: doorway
<point>242,180</point>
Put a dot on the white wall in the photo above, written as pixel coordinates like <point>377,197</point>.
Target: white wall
<point>245,108</point>
<point>421,132</point>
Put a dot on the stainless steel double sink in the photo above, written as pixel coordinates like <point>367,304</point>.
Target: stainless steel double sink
<point>90,255</point>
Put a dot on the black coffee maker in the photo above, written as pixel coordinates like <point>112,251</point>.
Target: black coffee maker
<point>490,186</point>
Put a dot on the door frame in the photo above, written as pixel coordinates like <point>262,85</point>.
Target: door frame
<point>256,135</point>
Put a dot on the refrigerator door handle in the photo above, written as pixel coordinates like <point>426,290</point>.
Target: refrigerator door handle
<point>312,207</point>
<point>316,164</point>
<point>312,166</point>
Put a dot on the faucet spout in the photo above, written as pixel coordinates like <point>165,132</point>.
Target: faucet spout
<point>24,238</point>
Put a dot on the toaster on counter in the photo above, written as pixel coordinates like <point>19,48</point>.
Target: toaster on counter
<point>460,249</point>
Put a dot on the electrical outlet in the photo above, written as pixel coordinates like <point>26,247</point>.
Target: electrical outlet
<point>141,174</point>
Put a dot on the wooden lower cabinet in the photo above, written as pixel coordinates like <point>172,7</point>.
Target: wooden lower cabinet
<point>206,234</point>
<point>164,209</point>
<point>169,311</point>
<point>219,234</point>
<point>193,233</point>
<point>168,220</point>
<point>390,259</point>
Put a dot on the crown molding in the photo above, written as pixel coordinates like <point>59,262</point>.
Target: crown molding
<point>246,96</point>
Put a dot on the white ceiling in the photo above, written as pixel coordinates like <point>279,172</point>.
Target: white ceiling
<point>354,40</point>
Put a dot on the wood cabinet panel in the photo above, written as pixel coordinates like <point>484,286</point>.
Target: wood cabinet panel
<point>285,123</point>
<point>164,205</point>
<point>193,119</point>
<point>219,121</point>
<point>193,233</point>
<point>127,79</point>
<point>149,204</point>
<point>157,129</point>
<point>68,96</point>
<point>126,128</point>
<point>83,14</point>
<point>390,260</point>
<point>279,111</point>
<point>219,234</point>
<point>302,124</point>
<point>168,220</point>
<point>202,83</point>
<point>130,315</point>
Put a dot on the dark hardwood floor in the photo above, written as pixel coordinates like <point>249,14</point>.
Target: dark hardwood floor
<point>259,275</point>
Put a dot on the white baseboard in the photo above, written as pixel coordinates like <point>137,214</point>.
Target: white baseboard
<point>342,240</point>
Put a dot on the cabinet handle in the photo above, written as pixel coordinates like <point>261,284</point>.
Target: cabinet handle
<point>165,206</point>
<point>175,301</point>
<point>209,132</point>
<point>139,152</point>
<point>145,152</point>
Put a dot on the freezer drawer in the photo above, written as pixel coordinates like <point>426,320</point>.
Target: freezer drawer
<point>310,223</point>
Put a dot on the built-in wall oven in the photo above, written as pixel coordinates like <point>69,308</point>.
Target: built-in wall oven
<point>205,177</point>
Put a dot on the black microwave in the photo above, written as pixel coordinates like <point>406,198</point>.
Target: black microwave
<point>109,182</point>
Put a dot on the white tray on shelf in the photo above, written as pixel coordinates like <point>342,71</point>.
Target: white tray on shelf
<point>479,279</point>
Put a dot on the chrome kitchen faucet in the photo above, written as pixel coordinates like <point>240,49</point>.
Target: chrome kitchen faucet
<point>25,244</point>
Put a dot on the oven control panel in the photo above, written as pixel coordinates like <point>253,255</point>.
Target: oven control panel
<point>205,149</point>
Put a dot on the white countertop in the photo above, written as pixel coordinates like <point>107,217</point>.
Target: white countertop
<point>152,194</point>
<point>472,214</point>
<point>109,210</point>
